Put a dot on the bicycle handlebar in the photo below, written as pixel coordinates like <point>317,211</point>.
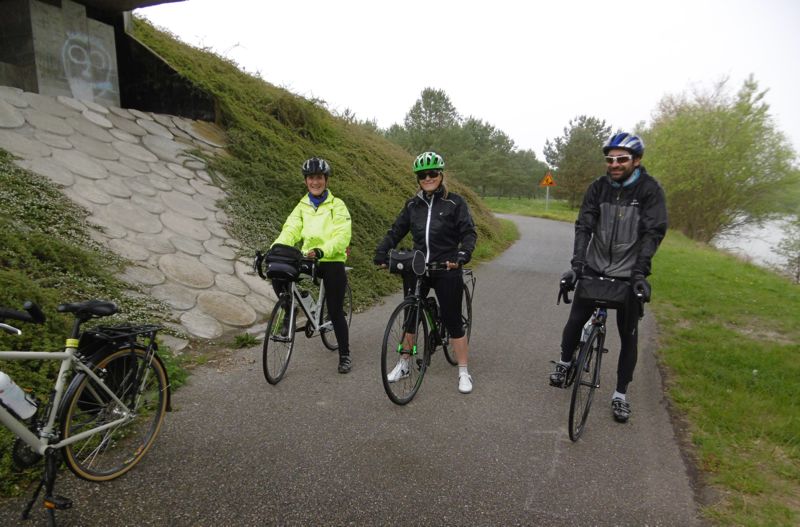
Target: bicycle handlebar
<point>10,329</point>
<point>33,314</point>
<point>563,292</point>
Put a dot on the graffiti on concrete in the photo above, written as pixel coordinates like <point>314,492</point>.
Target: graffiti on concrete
<point>87,66</point>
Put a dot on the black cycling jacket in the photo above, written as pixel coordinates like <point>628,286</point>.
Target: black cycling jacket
<point>441,227</point>
<point>619,228</point>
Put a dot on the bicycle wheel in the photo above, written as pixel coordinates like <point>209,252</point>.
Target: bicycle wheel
<point>466,321</point>
<point>587,379</point>
<point>327,333</point>
<point>278,341</point>
<point>140,381</point>
<point>405,320</point>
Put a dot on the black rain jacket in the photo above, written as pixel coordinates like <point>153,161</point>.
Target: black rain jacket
<point>619,228</point>
<point>441,227</point>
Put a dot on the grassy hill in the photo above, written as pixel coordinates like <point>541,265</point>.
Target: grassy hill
<point>47,254</point>
<point>272,131</point>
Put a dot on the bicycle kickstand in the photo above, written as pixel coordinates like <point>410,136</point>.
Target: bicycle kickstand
<point>51,502</point>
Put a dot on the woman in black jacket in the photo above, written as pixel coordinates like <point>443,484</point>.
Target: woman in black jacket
<point>441,227</point>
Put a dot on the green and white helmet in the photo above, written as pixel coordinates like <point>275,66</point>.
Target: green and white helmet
<point>428,161</point>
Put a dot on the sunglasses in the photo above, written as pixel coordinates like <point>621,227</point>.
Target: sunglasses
<point>619,159</point>
<point>429,174</point>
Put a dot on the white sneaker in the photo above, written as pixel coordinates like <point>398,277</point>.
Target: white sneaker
<point>465,383</point>
<point>400,371</point>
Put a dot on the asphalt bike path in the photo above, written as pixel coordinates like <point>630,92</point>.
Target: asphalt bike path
<point>322,448</point>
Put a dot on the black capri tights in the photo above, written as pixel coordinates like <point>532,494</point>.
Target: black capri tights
<point>449,288</point>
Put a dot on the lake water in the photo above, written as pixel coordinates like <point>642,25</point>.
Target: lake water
<point>757,244</point>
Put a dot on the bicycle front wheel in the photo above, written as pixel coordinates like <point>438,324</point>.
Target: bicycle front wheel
<point>587,379</point>
<point>407,331</point>
<point>139,380</point>
<point>278,341</point>
<point>466,322</point>
<point>327,333</point>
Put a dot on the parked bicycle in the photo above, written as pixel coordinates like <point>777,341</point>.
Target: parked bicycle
<point>111,411</point>
<point>416,329</point>
<point>583,374</point>
<point>282,327</point>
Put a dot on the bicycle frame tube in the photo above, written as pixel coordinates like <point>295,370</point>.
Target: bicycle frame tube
<point>315,318</point>
<point>67,357</point>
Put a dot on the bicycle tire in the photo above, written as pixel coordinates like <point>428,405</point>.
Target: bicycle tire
<point>327,334</point>
<point>137,380</point>
<point>587,378</point>
<point>277,350</point>
<point>466,321</point>
<point>403,390</point>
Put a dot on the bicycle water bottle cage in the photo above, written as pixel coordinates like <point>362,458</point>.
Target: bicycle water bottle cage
<point>432,306</point>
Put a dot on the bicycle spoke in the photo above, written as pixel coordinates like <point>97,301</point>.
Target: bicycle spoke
<point>132,375</point>
<point>587,377</point>
<point>278,342</point>
<point>405,346</point>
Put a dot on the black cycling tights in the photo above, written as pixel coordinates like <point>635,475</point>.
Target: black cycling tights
<point>449,287</point>
<point>627,325</point>
<point>335,279</point>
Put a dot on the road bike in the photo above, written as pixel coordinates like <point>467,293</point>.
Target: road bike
<point>417,316</point>
<point>282,327</point>
<point>106,407</point>
<point>583,374</point>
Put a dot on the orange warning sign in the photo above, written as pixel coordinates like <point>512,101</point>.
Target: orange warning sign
<point>547,180</point>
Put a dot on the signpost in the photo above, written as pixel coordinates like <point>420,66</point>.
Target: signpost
<point>547,182</point>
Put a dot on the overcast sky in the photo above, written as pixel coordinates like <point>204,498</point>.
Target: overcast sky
<point>526,69</point>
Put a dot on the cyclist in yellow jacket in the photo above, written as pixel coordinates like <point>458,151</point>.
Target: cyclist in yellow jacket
<point>322,222</point>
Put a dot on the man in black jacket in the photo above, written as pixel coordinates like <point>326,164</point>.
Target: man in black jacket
<point>621,223</point>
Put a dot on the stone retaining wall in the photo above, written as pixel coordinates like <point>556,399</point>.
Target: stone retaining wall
<point>152,200</point>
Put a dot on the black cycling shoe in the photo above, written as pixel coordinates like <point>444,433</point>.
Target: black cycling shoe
<point>621,409</point>
<point>559,375</point>
<point>345,364</point>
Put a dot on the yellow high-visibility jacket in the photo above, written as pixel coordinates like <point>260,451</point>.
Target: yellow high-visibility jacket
<point>327,227</point>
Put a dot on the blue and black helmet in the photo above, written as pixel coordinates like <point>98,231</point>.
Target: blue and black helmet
<point>626,141</point>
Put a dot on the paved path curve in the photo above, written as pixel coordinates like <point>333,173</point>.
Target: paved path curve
<point>329,449</point>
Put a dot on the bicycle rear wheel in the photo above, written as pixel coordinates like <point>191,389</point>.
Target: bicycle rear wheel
<point>587,379</point>
<point>278,341</point>
<point>407,319</point>
<point>327,333</point>
<point>140,381</point>
<point>466,322</point>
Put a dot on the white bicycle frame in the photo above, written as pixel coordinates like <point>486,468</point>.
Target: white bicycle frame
<point>311,307</point>
<point>68,362</point>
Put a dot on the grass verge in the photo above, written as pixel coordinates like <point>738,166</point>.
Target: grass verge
<point>728,336</point>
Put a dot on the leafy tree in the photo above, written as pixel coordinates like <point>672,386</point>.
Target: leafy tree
<point>431,116</point>
<point>576,156</point>
<point>721,160</point>
<point>789,248</point>
<point>476,152</point>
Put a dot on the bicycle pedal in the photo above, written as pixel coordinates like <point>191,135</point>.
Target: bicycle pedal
<point>605,350</point>
<point>58,503</point>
